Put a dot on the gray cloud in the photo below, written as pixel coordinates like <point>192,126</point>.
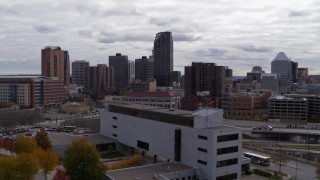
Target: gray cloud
<point>139,37</point>
<point>211,52</point>
<point>163,21</point>
<point>185,37</point>
<point>85,33</point>
<point>251,48</point>
<point>44,28</point>
<point>106,40</point>
<point>297,14</point>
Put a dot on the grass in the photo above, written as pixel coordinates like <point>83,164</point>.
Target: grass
<point>305,147</point>
<point>111,155</point>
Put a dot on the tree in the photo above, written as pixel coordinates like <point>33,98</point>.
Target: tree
<point>24,144</point>
<point>27,166</point>
<point>47,160</point>
<point>43,140</point>
<point>82,161</point>
<point>8,168</point>
<point>60,175</point>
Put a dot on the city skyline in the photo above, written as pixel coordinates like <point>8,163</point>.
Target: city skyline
<point>239,34</point>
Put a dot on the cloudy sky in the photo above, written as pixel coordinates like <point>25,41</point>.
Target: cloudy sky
<point>235,33</point>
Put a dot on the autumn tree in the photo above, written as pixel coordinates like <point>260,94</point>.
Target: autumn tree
<point>47,160</point>
<point>60,175</point>
<point>27,166</point>
<point>24,144</point>
<point>43,140</point>
<point>8,168</point>
<point>82,161</point>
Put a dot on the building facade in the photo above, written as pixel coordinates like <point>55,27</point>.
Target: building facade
<point>144,69</point>
<point>55,64</point>
<point>269,81</point>
<point>163,59</point>
<point>195,139</point>
<point>120,66</point>
<point>78,71</point>
<point>131,71</point>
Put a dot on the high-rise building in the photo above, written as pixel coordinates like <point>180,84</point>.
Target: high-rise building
<point>269,81</point>
<point>131,71</point>
<point>303,73</point>
<point>120,64</point>
<point>204,77</point>
<point>144,68</point>
<point>55,64</point>
<point>294,72</point>
<point>66,68</point>
<point>163,59</point>
<point>283,67</point>
<point>78,71</point>
<point>176,78</point>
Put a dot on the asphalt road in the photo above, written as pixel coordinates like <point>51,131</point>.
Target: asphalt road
<point>304,171</point>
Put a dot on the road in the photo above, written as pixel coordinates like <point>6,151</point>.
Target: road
<point>304,171</point>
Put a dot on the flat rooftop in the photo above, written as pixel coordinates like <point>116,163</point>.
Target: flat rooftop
<point>223,128</point>
<point>66,139</point>
<point>147,171</point>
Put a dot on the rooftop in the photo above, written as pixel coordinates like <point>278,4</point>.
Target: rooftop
<point>281,57</point>
<point>150,94</point>
<point>148,171</point>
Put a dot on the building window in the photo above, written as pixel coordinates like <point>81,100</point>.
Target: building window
<point>229,137</point>
<point>115,118</point>
<point>202,162</point>
<point>114,135</point>
<point>202,137</point>
<point>228,177</point>
<point>114,126</point>
<point>143,145</point>
<point>202,150</point>
<point>227,162</point>
<point>227,150</point>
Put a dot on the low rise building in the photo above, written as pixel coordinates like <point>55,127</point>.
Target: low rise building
<point>196,139</point>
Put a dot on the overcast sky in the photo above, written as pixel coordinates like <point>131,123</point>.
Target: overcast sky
<point>235,33</point>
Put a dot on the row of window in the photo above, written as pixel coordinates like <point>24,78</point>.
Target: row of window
<point>227,162</point>
<point>223,138</point>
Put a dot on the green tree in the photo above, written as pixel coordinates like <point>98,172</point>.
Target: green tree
<point>43,140</point>
<point>8,168</point>
<point>27,166</point>
<point>82,161</point>
<point>24,144</point>
<point>47,160</point>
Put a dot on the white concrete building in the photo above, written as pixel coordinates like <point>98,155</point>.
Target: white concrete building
<point>195,139</point>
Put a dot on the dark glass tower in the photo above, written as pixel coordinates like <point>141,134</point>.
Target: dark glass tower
<point>163,59</point>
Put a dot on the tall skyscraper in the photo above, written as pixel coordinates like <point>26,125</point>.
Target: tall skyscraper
<point>163,58</point>
<point>131,71</point>
<point>55,64</point>
<point>120,64</point>
<point>78,71</point>
<point>286,71</point>
<point>144,68</point>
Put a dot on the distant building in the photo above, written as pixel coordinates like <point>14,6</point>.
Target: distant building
<point>144,69</point>
<point>303,74</point>
<point>150,85</point>
<point>157,99</point>
<point>78,72</point>
<point>55,64</point>
<point>120,66</point>
<point>163,59</point>
<point>31,91</point>
<point>196,139</point>
<point>176,78</point>
<point>269,81</point>
<point>255,74</point>
<point>131,71</point>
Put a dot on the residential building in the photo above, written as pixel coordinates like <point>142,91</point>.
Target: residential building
<point>55,64</point>
<point>303,74</point>
<point>120,66</point>
<point>78,72</point>
<point>163,59</point>
<point>144,69</point>
<point>150,85</point>
<point>195,139</point>
<point>53,92</point>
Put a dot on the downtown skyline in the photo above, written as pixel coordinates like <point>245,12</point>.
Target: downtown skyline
<point>239,34</point>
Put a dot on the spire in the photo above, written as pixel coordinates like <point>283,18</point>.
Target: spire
<point>282,57</point>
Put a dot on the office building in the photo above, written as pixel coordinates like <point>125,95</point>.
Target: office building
<point>176,78</point>
<point>163,59</point>
<point>195,139</point>
<point>31,91</point>
<point>120,66</point>
<point>55,64</point>
<point>303,74</point>
<point>269,81</point>
<point>78,72</point>
<point>144,68</point>
<point>131,71</point>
